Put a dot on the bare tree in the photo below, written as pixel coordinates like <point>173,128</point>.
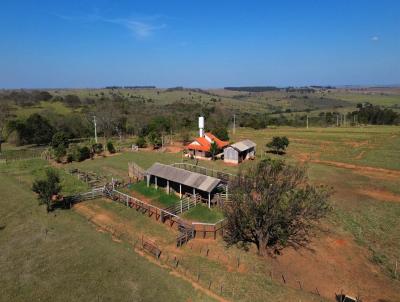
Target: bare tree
<point>274,206</point>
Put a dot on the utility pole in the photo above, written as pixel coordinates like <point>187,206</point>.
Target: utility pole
<point>95,129</point>
<point>234,123</point>
<point>307,121</point>
<point>337,120</point>
<point>344,120</point>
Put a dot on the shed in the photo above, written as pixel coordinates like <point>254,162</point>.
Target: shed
<point>181,180</point>
<point>236,153</point>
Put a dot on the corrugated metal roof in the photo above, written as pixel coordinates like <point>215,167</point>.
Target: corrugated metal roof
<point>244,145</point>
<point>188,178</point>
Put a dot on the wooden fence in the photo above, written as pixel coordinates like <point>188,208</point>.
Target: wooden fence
<point>209,228</point>
<point>135,171</point>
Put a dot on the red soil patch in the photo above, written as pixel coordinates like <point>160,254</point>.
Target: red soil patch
<point>335,264</point>
<point>111,223</point>
<point>380,195</point>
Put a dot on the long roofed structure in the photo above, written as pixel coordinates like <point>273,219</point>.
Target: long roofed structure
<point>184,177</point>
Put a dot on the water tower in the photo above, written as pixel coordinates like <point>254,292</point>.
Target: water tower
<point>201,126</point>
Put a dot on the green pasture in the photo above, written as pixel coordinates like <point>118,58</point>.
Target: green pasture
<point>61,257</point>
<point>158,196</point>
<point>201,213</point>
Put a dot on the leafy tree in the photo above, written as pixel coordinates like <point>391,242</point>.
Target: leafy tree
<point>84,153</point>
<point>59,144</point>
<point>35,130</point>
<point>155,139</point>
<point>214,150</point>
<point>273,206</point>
<point>141,142</point>
<point>47,188</point>
<point>110,147</point>
<point>278,144</point>
<point>97,148</point>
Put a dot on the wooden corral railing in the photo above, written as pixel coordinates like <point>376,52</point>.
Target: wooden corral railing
<point>93,194</point>
<point>135,171</point>
<point>185,204</point>
<point>206,228</point>
<point>186,230</point>
<point>224,176</point>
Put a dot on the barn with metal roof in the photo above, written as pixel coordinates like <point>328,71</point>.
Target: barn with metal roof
<point>181,181</point>
<point>236,153</point>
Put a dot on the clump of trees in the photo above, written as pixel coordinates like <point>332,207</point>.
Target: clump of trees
<point>48,188</point>
<point>375,115</point>
<point>35,130</point>
<point>278,144</point>
<point>274,206</point>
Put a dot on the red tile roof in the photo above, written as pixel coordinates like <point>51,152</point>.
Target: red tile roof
<point>204,144</point>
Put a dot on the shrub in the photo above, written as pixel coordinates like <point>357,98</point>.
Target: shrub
<point>97,148</point>
<point>278,144</point>
<point>84,153</point>
<point>47,188</point>
<point>110,147</point>
<point>141,142</point>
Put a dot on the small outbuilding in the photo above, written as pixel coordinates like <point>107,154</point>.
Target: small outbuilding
<point>240,151</point>
<point>182,181</point>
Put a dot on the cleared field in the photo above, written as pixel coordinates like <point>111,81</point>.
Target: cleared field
<point>61,257</point>
<point>360,238</point>
<point>87,254</point>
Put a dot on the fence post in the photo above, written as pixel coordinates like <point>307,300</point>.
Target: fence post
<point>127,199</point>
<point>181,207</point>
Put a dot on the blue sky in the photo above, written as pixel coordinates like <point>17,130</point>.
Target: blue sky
<point>46,44</point>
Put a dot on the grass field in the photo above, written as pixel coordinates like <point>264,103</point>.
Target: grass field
<point>159,197</point>
<point>60,257</point>
<point>360,163</point>
<point>202,213</point>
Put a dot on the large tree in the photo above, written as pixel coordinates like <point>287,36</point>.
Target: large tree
<point>47,188</point>
<point>273,206</point>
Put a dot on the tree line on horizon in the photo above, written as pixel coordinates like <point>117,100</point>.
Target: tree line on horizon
<point>126,115</point>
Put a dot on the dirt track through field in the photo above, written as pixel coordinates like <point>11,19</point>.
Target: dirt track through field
<point>372,171</point>
<point>380,195</point>
<point>118,227</point>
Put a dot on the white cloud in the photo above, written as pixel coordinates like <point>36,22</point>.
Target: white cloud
<point>374,38</point>
<point>140,29</point>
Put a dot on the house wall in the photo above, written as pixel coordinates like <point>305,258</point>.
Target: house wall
<point>231,155</point>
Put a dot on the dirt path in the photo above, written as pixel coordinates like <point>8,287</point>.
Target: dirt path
<point>380,195</point>
<point>335,264</point>
<point>118,227</point>
<point>372,171</point>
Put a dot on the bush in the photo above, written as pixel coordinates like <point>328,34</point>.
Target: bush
<point>278,144</point>
<point>155,139</point>
<point>47,188</point>
<point>97,148</point>
<point>84,153</point>
<point>141,142</point>
<point>110,147</point>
